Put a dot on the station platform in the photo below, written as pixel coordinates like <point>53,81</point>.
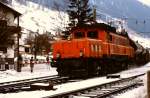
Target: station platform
<point>39,70</point>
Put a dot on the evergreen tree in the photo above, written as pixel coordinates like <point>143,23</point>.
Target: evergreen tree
<point>79,12</point>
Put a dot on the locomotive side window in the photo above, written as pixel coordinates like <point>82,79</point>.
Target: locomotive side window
<point>92,34</point>
<point>79,34</point>
<point>110,38</point>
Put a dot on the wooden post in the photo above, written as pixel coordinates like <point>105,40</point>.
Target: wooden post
<point>51,85</point>
<point>18,66</point>
<point>148,84</point>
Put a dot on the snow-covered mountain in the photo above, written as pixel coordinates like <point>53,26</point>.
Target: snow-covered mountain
<point>146,2</point>
<point>36,17</point>
<point>135,12</point>
<point>42,15</point>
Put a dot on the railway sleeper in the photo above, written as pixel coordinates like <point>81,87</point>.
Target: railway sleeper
<point>112,76</point>
<point>44,86</point>
<point>102,93</point>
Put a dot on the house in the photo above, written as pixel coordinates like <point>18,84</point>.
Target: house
<point>9,32</point>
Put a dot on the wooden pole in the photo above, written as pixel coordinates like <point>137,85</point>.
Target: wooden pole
<point>148,84</point>
<point>18,66</point>
<point>94,14</point>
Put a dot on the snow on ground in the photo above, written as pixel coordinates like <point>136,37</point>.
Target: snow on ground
<point>134,71</point>
<point>140,92</point>
<point>143,40</point>
<point>40,70</point>
<point>135,93</point>
<point>59,88</point>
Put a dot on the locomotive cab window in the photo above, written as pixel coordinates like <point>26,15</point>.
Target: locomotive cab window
<point>92,34</point>
<point>109,38</point>
<point>79,35</point>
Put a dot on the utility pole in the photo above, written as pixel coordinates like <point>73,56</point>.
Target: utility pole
<point>18,65</point>
<point>35,47</point>
<point>35,43</point>
<point>94,13</point>
<point>78,11</point>
<point>148,84</point>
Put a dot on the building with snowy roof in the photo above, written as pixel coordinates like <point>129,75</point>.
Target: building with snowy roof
<point>9,32</point>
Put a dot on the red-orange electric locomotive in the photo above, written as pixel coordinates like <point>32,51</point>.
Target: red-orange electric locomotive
<point>92,50</point>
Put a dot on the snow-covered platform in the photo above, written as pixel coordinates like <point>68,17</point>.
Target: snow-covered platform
<point>74,85</point>
<point>40,70</point>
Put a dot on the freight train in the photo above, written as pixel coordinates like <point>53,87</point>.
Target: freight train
<point>96,49</point>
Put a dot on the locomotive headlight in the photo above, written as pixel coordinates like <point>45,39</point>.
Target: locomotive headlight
<point>58,55</point>
<point>81,53</point>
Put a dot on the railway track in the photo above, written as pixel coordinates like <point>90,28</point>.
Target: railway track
<point>13,85</point>
<point>23,85</point>
<point>102,90</point>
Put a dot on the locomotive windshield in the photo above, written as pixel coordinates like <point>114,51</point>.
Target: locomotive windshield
<point>79,34</point>
<point>92,34</point>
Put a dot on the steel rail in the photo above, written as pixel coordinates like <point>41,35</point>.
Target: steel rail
<point>80,92</point>
<point>28,82</point>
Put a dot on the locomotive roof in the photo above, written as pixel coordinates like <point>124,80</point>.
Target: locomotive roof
<point>97,25</point>
<point>102,26</point>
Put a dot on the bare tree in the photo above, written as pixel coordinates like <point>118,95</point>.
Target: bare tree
<point>39,42</point>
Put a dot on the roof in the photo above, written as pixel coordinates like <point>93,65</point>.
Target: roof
<point>101,26</point>
<point>16,13</point>
<point>97,25</point>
